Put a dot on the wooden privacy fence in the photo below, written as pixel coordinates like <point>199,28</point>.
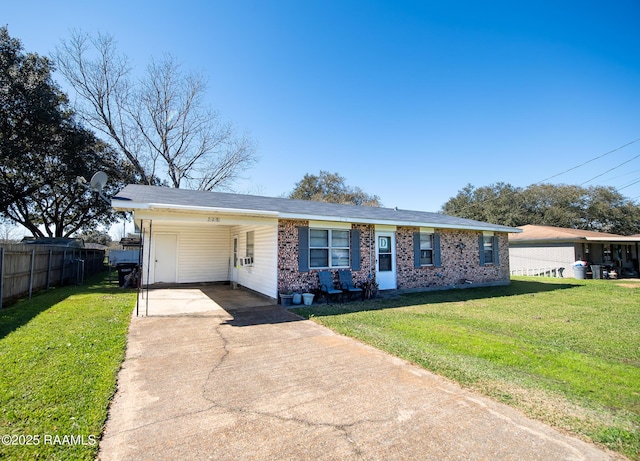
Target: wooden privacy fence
<point>28,268</point>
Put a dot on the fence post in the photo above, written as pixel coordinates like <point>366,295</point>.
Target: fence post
<point>33,261</point>
<point>1,274</point>
<point>49,269</point>
<point>64,263</point>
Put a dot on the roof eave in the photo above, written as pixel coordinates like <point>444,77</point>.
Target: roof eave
<point>120,204</point>
<point>392,222</point>
<point>613,239</point>
<point>575,239</point>
<point>132,206</point>
<point>548,240</point>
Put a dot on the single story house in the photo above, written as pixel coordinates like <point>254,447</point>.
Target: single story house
<point>272,245</point>
<point>542,249</point>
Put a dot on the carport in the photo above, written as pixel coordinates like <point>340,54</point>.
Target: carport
<point>193,299</point>
<point>183,248</point>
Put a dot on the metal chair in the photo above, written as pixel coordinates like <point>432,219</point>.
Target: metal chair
<point>327,287</point>
<point>346,284</point>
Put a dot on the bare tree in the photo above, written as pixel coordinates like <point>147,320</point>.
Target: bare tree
<point>9,232</point>
<point>159,123</point>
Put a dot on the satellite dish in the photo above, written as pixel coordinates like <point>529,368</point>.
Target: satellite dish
<point>98,181</point>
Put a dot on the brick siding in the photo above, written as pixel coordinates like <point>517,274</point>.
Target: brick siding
<point>460,263</point>
<point>460,260</point>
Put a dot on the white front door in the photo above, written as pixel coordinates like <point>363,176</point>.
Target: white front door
<point>166,250</point>
<point>386,260</point>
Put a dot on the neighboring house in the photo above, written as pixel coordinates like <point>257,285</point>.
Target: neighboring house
<point>541,249</point>
<point>271,245</point>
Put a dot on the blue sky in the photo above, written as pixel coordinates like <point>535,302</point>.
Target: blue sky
<point>408,100</point>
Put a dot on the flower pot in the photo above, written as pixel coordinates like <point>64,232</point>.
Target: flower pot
<point>297,298</point>
<point>307,298</point>
<point>285,300</point>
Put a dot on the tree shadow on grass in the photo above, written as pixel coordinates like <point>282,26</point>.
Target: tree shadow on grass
<point>22,311</point>
<point>393,300</point>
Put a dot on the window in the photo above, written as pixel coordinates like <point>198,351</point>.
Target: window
<point>426,249</point>
<point>328,248</point>
<point>235,251</point>
<point>250,245</point>
<point>489,250</point>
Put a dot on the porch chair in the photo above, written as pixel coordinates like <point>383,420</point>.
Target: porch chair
<point>327,287</point>
<point>346,283</point>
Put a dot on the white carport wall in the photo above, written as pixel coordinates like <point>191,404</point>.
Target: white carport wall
<point>204,250</point>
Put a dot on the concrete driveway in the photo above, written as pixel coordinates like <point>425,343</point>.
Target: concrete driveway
<point>258,383</point>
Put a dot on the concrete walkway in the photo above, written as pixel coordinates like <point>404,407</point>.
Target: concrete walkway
<point>258,383</point>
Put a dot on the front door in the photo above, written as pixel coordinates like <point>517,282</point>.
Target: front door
<point>386,260</point>
<point>166,249</point>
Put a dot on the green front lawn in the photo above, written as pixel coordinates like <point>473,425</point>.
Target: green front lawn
<point>564,351</point>
<point>59,357</point>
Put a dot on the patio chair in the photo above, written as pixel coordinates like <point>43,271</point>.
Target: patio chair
<point>327,287</point>
<point>346,283</point>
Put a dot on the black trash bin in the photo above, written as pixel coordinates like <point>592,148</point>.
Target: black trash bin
<point>124,269</point>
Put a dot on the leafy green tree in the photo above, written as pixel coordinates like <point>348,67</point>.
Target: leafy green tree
<point>498,203</point>
<point>331,187</point>
<point>29,115</point>
<point>597,208</point>
<point>43,149</point>
<point>555,205</point>
<point>95,236</point>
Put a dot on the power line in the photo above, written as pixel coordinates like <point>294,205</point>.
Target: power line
<point>615,167</point>
<point>589,161</point>
<point>628,185</point>
<point>491,199</point>
<point>624,174</point>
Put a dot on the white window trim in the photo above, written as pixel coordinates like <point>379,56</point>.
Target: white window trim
<point>250,249</point>
<point>329,248</point>
<point>430,234</point>
<point>488,262</point>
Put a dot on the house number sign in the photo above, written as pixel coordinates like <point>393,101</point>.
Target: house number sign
<point>213,219</point>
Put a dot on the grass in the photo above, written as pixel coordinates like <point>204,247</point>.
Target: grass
<point>59,356</point>
<point>566,352</point>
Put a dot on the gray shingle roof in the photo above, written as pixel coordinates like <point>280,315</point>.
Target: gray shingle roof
<point>159,197</point>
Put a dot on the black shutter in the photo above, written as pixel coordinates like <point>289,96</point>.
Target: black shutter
<point>481,248</point>
<point>496,247</point>
<point>303,249</point>
<point>355,249</point>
